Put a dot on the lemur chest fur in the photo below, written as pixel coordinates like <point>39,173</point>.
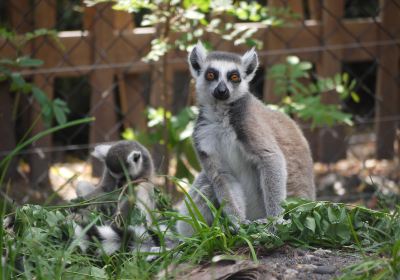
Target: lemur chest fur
<point>216,138</point>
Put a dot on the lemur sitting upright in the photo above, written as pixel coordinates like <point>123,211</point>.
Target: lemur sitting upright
<point>252,157</point>
<point>121,159</point>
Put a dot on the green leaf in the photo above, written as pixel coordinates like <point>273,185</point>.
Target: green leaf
<point>98,272</point>
<point>317,218</point>
<point>355,97</point>
<point>310,223</point>
<point>40,96</point>
<point>343,231</point>
<point>61,118</point>
<point>28,62</point>
<point>331,215</point>
<point>17,82</point>
<point>194,15</point>
<point>129,134</point>
<point>7,61</point>
<point>297,222</point>
<point>305,65</point>
<point>203,5</point>
<point>293,60</point>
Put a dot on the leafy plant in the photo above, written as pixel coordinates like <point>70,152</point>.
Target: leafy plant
<point>8,241</point>
<point>304,100</point>
<point>191,20</point>
<point>10,71</point>
<point>375,234</point>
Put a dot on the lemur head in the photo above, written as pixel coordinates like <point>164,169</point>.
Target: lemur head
<point>221,77</point>
<point>125,155</point>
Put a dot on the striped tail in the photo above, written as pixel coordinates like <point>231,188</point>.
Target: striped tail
<point>112,239</point>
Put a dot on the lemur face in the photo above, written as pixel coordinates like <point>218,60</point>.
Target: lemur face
<point>121,157</point>
<point>221,77</point>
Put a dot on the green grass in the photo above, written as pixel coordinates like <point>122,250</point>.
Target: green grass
<point>43,238</point>
<point>42,242</point>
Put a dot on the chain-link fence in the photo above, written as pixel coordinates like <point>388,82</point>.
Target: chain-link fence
<point>96,66</point>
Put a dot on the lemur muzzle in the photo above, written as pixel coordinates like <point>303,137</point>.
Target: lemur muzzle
<point>221,92</point>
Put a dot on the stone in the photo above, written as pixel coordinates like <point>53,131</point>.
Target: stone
<point>325,269</point>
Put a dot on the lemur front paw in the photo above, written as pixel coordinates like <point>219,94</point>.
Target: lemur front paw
<point>236,224</point>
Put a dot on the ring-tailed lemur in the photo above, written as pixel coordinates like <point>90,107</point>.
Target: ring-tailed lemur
<point>252,157</point>
<point>122,159</point>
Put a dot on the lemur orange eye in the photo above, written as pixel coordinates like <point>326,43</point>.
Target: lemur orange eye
<point>210,76</point>
<point>235,78</point>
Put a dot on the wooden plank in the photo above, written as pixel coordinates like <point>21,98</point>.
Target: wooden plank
<point>102,101</point>
<point>297,7</point>
<point>315,8</point>
<point>127,47</point>
<point>123,98</point>
<point>130,87</point>
<point>20,15</point>
<point>387,101</point>
<point>161,96</point>
<point>133,93</point>
<point>123,21</point>
<point>45,17</point>
<point>274,42</point>
<point>181,90</point>
<point>332,146</point>
<point>7,126</point>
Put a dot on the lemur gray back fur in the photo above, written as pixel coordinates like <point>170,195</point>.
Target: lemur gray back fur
<point>252,157</point>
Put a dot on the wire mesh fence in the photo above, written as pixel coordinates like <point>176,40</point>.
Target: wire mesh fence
<point>96,66</point>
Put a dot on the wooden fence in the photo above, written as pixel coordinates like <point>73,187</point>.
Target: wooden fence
<point>110,48</point>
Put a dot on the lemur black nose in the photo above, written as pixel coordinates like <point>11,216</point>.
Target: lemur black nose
<point>136,156</point>
<point>221,92</point>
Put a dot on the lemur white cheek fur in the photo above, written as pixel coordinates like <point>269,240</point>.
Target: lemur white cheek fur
<point>252,157</point>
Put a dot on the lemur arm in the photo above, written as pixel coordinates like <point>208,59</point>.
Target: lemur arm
<point>273,177</point>
<point>201,187</point>
<point>145,200</point>
<point>227,189</point>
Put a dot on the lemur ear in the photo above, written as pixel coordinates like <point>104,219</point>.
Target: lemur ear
<point>100,151</point>
<point>196,59</point>
<point>250,63</point>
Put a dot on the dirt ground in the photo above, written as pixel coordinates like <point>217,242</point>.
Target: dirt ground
<point>285,263</point>
<point>294,263</point>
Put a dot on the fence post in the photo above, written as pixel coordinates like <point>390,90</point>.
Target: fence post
<point>7,126</point>
<point>132,90</point>
<point>273,42</point>
<point>387,89</point>
<point>130,86</point>
<point>315,9</point>
<point>102,103</point>
<point>21,22</point>
<point>45,17</point>
<point>332,146</point>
